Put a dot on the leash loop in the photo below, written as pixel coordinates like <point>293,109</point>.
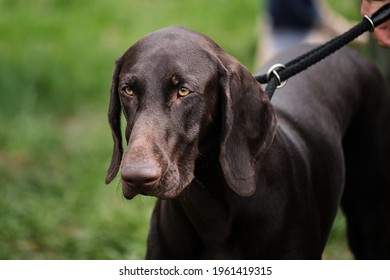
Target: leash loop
<point>273,70</point>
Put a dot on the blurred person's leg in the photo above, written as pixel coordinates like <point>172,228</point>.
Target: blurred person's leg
<point>287,24</point>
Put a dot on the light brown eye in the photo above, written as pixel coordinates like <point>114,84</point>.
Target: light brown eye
<point>128,91</point>
<point>183,92</point>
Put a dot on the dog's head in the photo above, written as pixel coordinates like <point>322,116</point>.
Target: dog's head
<point>174,87</point>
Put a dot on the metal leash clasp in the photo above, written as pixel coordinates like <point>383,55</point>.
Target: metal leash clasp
<point>371,22</point>
<point>273,71</point>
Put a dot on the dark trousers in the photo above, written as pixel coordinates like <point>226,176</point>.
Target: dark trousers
<point>296,14</point>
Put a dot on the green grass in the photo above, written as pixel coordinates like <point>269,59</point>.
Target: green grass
<point>350,11</point>
<point>56,60</point>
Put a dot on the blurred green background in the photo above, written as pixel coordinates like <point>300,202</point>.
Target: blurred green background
<point>56,60</point>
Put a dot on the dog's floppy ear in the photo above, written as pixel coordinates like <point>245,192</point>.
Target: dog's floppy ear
<point>114,117</point>
<point>248,125</point>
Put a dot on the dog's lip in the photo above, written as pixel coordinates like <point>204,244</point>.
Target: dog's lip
<point>129,192</point>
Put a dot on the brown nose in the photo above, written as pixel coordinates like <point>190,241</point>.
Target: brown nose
<point>141,176</point>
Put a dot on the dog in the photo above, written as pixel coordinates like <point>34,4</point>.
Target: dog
<point>238,176</point>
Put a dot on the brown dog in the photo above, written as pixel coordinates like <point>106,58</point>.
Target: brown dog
<point>238,177</point>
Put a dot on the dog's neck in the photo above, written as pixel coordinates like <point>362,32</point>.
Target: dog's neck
<point>205,206</point>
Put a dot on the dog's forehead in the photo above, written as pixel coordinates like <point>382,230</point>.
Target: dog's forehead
<point>174,38</point>
<point>171,47</point>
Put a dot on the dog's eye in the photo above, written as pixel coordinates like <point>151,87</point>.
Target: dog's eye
<point>183,92</point>
<point>128,91</point>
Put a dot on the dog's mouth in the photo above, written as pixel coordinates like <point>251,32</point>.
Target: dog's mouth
<point>160,190</point>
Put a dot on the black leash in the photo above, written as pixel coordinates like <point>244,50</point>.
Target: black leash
<point>278,74</point>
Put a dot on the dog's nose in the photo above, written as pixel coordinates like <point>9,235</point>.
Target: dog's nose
<point>141,176</point>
